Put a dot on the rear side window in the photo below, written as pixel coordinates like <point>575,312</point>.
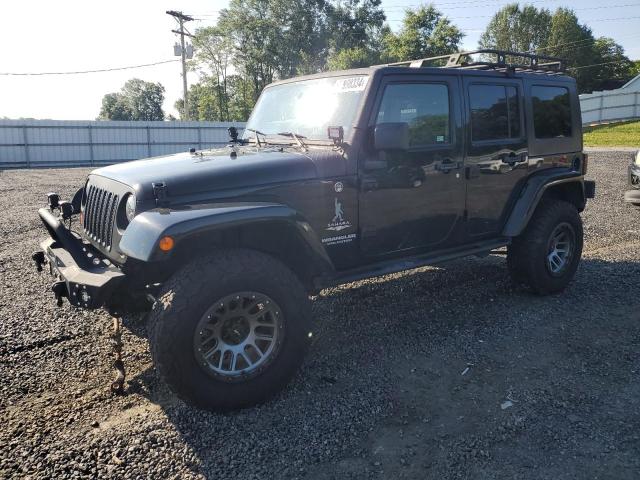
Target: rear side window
<point>495,112</point>
<point>424,106</point>
<point>551,112</point>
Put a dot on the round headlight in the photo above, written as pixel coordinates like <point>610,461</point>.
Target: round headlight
<point>638,158</point>
<point>130,207</point>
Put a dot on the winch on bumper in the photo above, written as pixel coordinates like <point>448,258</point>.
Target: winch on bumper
<point>82,275</point>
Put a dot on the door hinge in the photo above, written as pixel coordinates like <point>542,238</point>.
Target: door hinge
<point>160,193</point>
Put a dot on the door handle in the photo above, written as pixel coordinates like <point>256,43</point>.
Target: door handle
<point>512,158</point>
<point>447,165</point>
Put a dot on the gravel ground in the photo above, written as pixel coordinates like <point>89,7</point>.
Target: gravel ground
<point>407,378</point>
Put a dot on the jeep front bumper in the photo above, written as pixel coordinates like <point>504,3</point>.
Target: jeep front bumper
<point>81,274</point>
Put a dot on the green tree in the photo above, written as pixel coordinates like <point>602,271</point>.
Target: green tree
<point>615,67</point>
<point>205,104</point>
<point>241,98</point>
<point>573,42</point>
<point>354,57</point>
<point>214,51</point>
<point>114,107</point>
<point>137,100</point>
<point>273,39</point>
<point>264,40</point>
<point>560,34</point>
<point>354,25</point>
<point>517,29</point>
<point>425,32</point>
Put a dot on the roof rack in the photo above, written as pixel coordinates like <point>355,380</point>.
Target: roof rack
<point>506,61</point>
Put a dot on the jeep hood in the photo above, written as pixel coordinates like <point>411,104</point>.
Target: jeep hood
<point>191,173</point>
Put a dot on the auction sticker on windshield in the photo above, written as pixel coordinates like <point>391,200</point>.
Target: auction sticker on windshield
<point>351,84</point>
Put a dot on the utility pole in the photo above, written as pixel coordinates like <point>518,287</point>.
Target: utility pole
<point>182,19</point>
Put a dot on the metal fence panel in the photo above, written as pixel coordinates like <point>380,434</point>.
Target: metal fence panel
<point>55,143</point>
<point>609,106</point>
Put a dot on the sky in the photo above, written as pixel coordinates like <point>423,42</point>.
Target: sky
<point>72,35</point>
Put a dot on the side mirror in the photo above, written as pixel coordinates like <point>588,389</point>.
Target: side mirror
<point>391,136</point>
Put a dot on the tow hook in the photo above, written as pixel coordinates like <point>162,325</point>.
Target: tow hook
<point>38,257</point>
<point>59,290</point>
<point>117,386</point>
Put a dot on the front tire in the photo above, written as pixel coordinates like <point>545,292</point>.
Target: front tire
<point>546,256</point>
<point>230,331</point>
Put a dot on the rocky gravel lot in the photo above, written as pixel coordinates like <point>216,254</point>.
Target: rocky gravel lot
<point>434,373</point>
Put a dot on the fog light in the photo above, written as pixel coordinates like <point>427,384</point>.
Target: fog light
<point>166,243</point>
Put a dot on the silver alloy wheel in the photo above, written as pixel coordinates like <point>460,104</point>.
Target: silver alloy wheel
<point>561,246</point>
<point>238,335</point>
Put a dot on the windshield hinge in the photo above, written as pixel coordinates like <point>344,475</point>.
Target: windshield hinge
<point>160,193</point>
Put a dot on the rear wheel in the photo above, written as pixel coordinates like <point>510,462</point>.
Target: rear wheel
<point>546,256</point>
<point>230,331</point>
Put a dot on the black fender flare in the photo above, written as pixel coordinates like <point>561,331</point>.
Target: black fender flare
<point>532,193</point>
<point>141,237</point>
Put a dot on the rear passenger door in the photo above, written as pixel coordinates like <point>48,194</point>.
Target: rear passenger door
<point>496,157</point>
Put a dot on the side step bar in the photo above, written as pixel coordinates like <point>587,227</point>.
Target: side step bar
<point>387,267</point>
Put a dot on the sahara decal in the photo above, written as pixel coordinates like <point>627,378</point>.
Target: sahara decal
<point>338,222</point>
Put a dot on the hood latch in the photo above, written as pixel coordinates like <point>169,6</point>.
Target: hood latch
<point>160,194</point>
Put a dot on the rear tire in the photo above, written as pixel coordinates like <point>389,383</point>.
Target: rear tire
<point>546,255</point>
<point>230,331</point>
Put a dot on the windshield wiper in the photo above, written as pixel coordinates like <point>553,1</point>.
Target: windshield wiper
<point>257,132</point>
<point>297,137</point>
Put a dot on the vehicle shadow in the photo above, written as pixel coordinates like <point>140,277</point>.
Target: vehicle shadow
<point>358,376</point>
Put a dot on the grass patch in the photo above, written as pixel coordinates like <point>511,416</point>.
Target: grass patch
<point>624,134</point>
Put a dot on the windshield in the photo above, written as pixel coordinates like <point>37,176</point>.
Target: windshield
<point>308,107</point>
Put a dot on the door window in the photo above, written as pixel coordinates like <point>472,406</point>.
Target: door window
<point>424,106</point>
<point>551,112</point>
<point>495,112</point>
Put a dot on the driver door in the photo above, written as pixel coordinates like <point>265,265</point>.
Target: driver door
<point>414,199</point>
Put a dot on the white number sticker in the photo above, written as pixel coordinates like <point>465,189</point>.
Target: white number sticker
<point>351,84</point>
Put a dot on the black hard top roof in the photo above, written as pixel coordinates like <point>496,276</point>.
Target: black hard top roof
<point>506,65</point>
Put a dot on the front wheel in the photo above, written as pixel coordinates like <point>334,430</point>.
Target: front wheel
<point>230,331</point>
<point>546,256</point>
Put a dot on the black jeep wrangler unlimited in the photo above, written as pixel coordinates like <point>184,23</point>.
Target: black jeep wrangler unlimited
<point>336,177</point>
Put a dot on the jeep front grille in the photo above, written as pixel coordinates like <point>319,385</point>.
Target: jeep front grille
<point>99,215</point>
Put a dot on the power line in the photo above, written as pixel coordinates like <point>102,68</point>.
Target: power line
<point>539,1</point>
<point>456,5</point>
<point>78,72</point>
<point>588,40</point>
<point>590,22</point>
<point>472,2</point>
<point>576,9</point>
<point>596,65</point>
<point>214,13</point>
<point>610,19</point>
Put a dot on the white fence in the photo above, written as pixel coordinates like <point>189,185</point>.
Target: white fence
<point>60,143</point>
<point>56,143</point>
<point>611,106</point>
